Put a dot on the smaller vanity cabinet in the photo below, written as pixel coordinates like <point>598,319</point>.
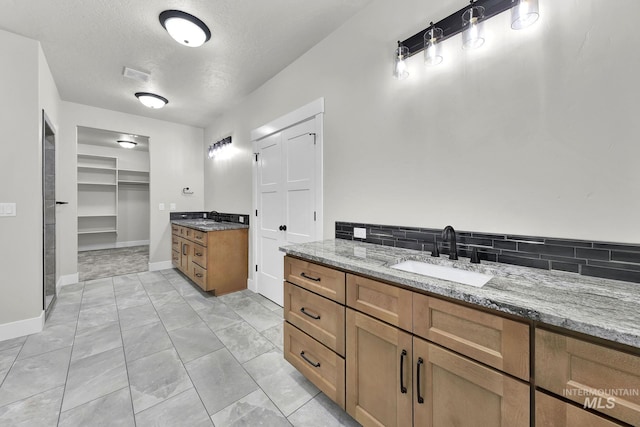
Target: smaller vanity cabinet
<point>591,375</point>
<point>314,327</point>
<point>216,261</point>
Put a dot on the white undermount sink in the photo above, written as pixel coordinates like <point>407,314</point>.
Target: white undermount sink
<point>447,273</point>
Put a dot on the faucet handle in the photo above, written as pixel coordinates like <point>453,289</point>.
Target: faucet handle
<point>475,259</point>
<point>435,252</point>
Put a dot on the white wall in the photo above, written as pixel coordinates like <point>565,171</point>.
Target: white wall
<point>27,88</point>
<point>175,156</point>
<point>535,133</point>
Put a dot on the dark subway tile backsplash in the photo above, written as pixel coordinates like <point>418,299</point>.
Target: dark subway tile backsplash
<point>618,261</point>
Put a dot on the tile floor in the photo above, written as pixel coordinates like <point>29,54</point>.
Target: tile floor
<point>112,262</point>
<point>151,349</point>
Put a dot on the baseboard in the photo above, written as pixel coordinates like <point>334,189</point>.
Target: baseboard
<point>21,328</point>
<point>162,265</point>
<point>251,285</point>
<point>68,279</point>
<point>132,243</point>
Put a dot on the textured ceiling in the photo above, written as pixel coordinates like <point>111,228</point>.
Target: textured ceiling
<point>87,43</point>
<point>109,139</point>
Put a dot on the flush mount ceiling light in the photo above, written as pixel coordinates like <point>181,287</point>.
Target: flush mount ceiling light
<point>151,100</point>
<point>127,144</point>
<point>186,29</point>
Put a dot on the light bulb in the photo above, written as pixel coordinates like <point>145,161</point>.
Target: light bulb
<point>473,33</point>
<point>432,55</point>
<point>400,70</point>
<point>524,14</point>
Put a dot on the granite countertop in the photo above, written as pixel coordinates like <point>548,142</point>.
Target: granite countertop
<point>603,308</point>
<point>208,224</point>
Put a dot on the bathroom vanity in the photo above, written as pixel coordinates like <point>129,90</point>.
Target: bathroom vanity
<point>398,348</point>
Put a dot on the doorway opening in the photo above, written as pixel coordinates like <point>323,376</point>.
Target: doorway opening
<point>113,203</point>
<point>48,214</point>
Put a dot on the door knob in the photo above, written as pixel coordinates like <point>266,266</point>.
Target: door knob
<point>282,228</point>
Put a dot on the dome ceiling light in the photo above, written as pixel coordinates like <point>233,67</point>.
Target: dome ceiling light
<point>151,100</point>
<point>127,144</point>
<point>186,29</point>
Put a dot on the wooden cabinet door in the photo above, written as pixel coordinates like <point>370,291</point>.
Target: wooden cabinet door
<point>457,391</point>
<point>589,374</point>
<point>552,412</point>
<point>379,386</point>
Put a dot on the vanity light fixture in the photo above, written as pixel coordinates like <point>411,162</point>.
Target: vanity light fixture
<point>469,21</point>
<point>151,100</point>
<point>473,28</point>
<point>127,144</point>
<point>217,147</point>
<point>524,14</point>
<point>400,71</point>
<point>185,28</point>
<point>432,54</point>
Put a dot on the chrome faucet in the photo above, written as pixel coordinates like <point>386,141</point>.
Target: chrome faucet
<point>450,233</point>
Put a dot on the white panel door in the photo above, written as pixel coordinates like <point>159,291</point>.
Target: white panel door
<point>270,214</point>
<point>286,200</point>
<point>299,181</point>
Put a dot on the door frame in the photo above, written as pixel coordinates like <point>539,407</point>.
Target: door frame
<point>314,109</point>
<point>47,123</point>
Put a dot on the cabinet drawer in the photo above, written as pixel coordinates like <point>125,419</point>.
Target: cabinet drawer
<point>198,275</point>
<point>176,243</point>
<point>175,258</point>
<point>317,363</point>
<point>198,236</point>
<point>316,278</point>
<point>579,370</point>
<point>198,255</point>
<point>485,337</point>
<point>176,229</point>
<point>552,412</point>
<point>388,303</point>
<point>319,317</point>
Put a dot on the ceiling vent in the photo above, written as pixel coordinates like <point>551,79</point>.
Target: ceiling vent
<point>140,76</point>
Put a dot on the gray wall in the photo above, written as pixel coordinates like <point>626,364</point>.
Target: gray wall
<point>535,133</point>
<point>27,89</point>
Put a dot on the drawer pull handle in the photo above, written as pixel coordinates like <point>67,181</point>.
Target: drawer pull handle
<point>315,279</point>
<point>198,275</point>
<point>302,310</point>
<point>198,254</point>
<point>199,237</point>
<point>314,364</point>
<point>403,389</point>
<point>420,398</point>
<point>184,250</point>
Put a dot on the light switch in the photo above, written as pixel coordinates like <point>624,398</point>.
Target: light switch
<point>161,207</point>
<point>172,207</point>
<point>7,209</point>
<point>241,219</point>
<point>359,233</point>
